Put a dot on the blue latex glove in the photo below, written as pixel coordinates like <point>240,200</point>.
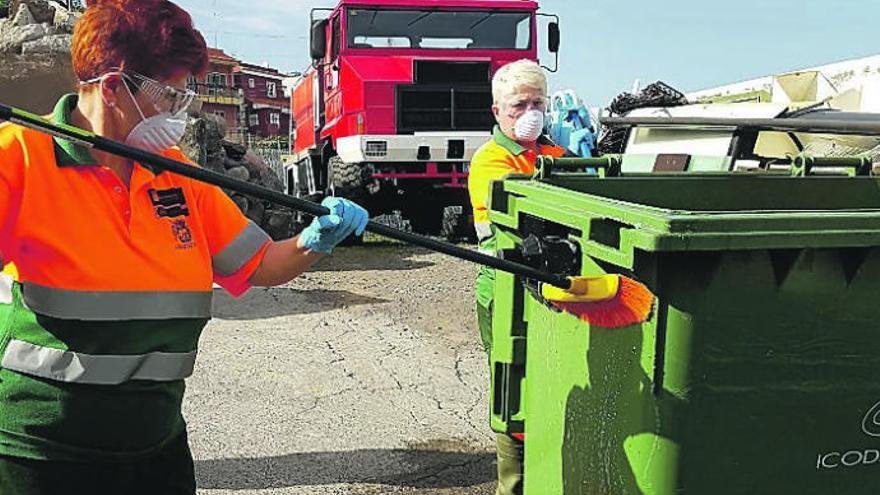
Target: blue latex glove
<point>324,233</point>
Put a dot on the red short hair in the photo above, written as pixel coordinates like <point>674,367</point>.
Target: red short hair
<point>155,38</point>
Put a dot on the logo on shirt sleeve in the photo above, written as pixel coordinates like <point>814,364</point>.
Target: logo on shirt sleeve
<point>171,204</point>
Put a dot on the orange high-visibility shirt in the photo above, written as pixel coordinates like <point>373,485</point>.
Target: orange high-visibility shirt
<point>114,285</point>
<point>497,158</point>
<point>66,222</point>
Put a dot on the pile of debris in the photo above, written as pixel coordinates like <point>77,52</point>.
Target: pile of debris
<point>35,54</point>
<point>37,27</point>
<point>205,144</point>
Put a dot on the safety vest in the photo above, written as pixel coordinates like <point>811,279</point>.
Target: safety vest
<point>111,287</point>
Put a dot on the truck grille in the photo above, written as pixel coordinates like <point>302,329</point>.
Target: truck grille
<point>446,96</point>
<point>444,108</point>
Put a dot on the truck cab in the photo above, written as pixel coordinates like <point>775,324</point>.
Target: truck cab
<point>398,99</point>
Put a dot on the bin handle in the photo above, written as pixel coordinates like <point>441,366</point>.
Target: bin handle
<point>606,166</point>
<point>804,164</point>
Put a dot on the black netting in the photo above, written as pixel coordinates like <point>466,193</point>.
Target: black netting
<point>658,94</point>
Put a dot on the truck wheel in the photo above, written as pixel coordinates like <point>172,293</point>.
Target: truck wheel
<point>346,182</point>
<point>346,178</point>
<point>456,225</point>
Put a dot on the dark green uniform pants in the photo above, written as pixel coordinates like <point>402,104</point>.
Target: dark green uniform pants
<point>169,472</point>
<point>509,450</point>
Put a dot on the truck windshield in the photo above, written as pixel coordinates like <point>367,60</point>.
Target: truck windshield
<point>436,29</point>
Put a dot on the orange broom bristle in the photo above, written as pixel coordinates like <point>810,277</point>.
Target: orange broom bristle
<point>632,305</point>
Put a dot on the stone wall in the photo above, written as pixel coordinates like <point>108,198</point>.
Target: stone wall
<point>35,54</point>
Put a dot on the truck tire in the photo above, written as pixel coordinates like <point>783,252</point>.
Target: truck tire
<point>346,179</point>
<point>346,182</point>
<point>457,226</point>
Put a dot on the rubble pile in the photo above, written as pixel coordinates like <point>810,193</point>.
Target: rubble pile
<point>204,143</point>
<point>37,27</point>
<point>35,54</point>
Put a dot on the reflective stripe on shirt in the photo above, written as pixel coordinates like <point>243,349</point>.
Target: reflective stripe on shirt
<point>241,250</point>
<point>108,306</point>
<point>74,367</point>
<point>5,289</point>
<point>484,230</point>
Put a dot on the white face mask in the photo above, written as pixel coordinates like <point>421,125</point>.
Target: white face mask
<point>157,133</point>
<point>529,126</point>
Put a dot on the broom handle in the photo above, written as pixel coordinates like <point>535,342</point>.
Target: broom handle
<point>91,140</point>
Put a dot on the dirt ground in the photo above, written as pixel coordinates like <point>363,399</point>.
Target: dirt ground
<point>363,376</point>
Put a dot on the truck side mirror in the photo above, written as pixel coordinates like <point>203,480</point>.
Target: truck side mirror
<point>318,42</point>
<point>553,37</point>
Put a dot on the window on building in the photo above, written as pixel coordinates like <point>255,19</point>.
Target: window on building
<point>275,119</point>
<point>254,120</point>
<point>216,83</point>
<point>270,89</point>
<point>220,113</point>
<point>191,83</point>
<point>251,83</point>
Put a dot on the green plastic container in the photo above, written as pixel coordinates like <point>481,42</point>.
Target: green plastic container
<point>759,372</point>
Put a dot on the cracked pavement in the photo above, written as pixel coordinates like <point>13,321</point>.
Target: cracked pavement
<point>364,376</point>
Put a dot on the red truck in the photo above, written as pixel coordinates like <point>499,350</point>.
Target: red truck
<point>399,98</point>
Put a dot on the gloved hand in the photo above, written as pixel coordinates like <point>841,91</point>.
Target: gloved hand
<point>324,233</point>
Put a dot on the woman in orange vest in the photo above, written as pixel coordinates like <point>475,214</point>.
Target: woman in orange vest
<point>114,264</point>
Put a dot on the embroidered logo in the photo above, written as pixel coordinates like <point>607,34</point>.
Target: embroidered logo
<point>171,204</point>
<point>182,234</point>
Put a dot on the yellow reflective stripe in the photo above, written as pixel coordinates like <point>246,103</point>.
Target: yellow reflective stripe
<point>75,367</point>
<point>241,250</point>
<point>110,306</point>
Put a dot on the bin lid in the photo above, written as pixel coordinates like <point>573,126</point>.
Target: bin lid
<point>701,212</point>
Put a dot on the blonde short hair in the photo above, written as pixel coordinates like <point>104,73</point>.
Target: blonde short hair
<point>516,75</point>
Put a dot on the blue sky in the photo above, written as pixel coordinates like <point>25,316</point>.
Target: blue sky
<point>607,44</point>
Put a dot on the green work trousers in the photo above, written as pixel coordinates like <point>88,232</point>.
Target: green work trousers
<point>509,451</point>
<point>168,472</point>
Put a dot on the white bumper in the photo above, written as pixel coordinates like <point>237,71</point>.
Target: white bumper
<point>424,147</point>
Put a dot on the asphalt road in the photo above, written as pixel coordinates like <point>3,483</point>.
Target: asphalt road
<point>364,376</point>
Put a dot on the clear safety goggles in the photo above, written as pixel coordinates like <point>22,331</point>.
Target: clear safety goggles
<point>165,98</point>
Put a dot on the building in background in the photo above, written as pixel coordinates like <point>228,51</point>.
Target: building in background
<point>267,107</point>
<point>251,99</point>
<point>218,93</point>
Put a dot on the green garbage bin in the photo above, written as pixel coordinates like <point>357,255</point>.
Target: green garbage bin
<point>759,371</point>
